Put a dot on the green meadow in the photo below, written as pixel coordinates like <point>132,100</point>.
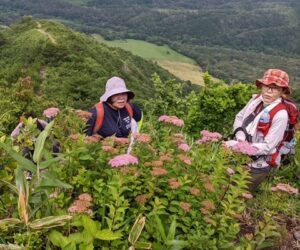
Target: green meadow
<point>179,65</point>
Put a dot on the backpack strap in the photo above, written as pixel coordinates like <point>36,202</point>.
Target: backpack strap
<point>100,115</point>
<point>129,109</point>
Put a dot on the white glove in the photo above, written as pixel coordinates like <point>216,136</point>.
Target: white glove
<point>230,143</point>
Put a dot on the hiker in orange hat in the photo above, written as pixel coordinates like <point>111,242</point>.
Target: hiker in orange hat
<point>267,122</point>
<point>114,114</point>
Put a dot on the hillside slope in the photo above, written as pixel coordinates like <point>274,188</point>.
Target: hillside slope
<point>242,35</point>
<point>69,67</point>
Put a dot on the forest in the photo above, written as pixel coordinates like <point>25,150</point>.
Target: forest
<point>233,40</point>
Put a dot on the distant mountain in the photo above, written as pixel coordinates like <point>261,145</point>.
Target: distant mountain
<point>233,39</point>
<point>69,67</point>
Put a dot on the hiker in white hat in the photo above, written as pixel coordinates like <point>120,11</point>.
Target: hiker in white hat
<point>114,114</point>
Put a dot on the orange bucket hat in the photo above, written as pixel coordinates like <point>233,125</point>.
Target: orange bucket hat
<point>275,76</point>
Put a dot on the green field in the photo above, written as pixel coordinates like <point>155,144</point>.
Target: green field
<point>179,65</point>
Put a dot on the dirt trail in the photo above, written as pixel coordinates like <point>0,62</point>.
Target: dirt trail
<point>41,30</point>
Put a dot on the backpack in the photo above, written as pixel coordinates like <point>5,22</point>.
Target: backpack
<point>100,115</point>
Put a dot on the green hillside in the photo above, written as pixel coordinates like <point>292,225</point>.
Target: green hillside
<point>181,66</point>
<point>235,40</point>
<point>69,67</point>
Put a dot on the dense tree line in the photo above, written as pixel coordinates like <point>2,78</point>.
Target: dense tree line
<point>266,29</point>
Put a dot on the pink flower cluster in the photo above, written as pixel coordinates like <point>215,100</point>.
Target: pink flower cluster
<point>185,206</point>
<point>51,112</point>
<point>84,115</point>
<point>123,160</point>
<point>244,147</point>
<point>82,204</point>
<point>247,195</point>
<point>230,171</point>
<point>284,188</point>
<point>173,183</point>
<point>144,138</point>
<point>171,119</point>
<point>209,137</point>
<point>184,147</point>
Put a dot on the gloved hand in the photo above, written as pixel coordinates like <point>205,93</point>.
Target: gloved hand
<point>230,143</point>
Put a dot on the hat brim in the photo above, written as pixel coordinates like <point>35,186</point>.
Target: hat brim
<point>106,95</point>
<point>260,82</point>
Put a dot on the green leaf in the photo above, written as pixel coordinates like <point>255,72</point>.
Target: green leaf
<point>76,238</point>
<point>49,222</point>
<point>10,222</point>
<point>57,239</point>
<point>24,163</point>
<point>70,246</point>
<point>50,181</point>
<point>86,247</point>
<point>12,187</point>
<point>136,230</point>
<point>89,225</point>
<point>106,234</point>
<point>172,231</point>
<point>142,245</point>
<point>177,244</point>
<point>160,228</point>
<point>39,145</point>
<point>48,163</point>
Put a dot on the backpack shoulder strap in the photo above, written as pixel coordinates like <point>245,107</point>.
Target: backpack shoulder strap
<point>277,108</point>
<point>99,117</point>
<point>129,109</point>
<point>292,110</point>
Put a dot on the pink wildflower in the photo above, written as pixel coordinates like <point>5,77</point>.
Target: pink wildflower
<point>51,112</point>
<point>209,187</point>
<point>208,205</point>
<point>74,137</point>
<point>174,184</point>
<point>141,199</point>
<point>166,158</point>
<point>209,137</point>
<point>120,140</point>
<point>185,206</point>
<point>194,191</point>
<point>157,163</point>
<point>85,197</point>
<point>159,171</point>
<point>123,160</point>
<point>92,139</point>
<point>247,195</point>
<point>82,204</point>
<point>171,119</point>
<point>107,148</point>
<point>285,188</point>
<point>204,211</point>
<point>84,115</point>
<point>230,171</point>
<point>144,138</point>
<point>184,147</point>
<point>187,160</point>
<point>244,148</point>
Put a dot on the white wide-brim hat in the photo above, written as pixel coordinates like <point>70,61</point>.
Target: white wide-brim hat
<point>114,86</point>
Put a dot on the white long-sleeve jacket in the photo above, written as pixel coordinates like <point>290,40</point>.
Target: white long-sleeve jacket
<point>266,145</point>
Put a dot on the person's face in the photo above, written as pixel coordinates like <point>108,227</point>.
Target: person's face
<point>119,101</point>
<point>270,93</point>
